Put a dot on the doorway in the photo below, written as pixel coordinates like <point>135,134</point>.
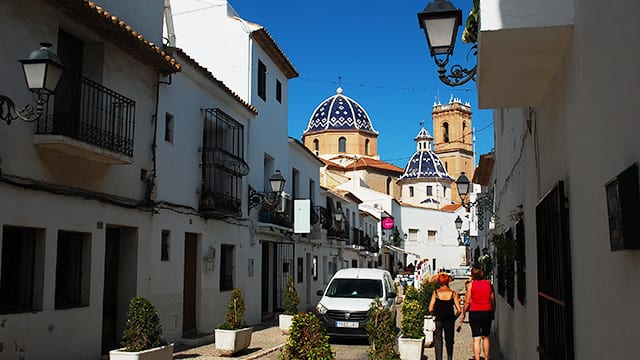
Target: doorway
<point>190,283</point>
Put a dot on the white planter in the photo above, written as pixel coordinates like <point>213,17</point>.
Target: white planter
<point>410,349</point>
<point>229,342</point>
<point>159,353</point>
<point>285,322</point>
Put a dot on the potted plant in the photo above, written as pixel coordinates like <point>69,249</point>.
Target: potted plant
<point>411,341</point>
<point>381,329</point>
<point>290,301</point>
<point>307,340</point>
<point>142,337</point>
<point>233,335</point>
<point>426,291</point>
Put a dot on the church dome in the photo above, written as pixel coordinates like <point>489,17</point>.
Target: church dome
<point>424,163</point>
<point>339,112</point>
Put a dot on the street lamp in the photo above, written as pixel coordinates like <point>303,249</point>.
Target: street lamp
<point>440,21</point>
<point>42,71</point>
<point>338,214</point>
<point>276,181</point>
<point>463,185</point>
<point>458,222</point>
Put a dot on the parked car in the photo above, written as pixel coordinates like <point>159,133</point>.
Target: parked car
<point>461,272</point>
<point>346,300</point>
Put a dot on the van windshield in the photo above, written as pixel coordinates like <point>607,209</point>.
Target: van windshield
<point>355,288</point>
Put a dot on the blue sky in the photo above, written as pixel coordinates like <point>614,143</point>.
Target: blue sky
<point>376,51</point>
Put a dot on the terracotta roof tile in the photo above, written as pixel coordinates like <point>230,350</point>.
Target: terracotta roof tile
<point>482,174</point>
<point>376,164</point>
<point>266,41</point>
<point>111,28</point>
<point>451,207</point>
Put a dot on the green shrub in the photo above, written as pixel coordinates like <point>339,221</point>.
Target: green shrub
<point>143,330</point>
<point>412,319</point>
<point>382,333</point>
<point>290,299</point>
<point>307,340</point>
<point>426,291</point>
<point>235,312</point>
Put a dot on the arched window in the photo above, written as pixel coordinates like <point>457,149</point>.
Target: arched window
<point>316,145</point>
<point>464,131</point>
<point>410,191</point>
<point>388,186</point>
<point>445,132</point>
<point>446,166</point>
<point>342,144</point>
<point>366,147</point>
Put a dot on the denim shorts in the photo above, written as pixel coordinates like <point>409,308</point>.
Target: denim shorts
<point>480,322</point>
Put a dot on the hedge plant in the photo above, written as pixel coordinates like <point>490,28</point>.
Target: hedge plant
<point>412,314</point>
<point>143,330</point>
<point>381,330</point>
<point>235,312</point>
<point>290,299</point>
<point>307,340</point>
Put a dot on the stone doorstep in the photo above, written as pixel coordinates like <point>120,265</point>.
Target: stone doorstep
<point>198,339</point>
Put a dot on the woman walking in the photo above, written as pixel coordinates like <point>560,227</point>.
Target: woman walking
<point>481,304</point>
<point>442,304</point>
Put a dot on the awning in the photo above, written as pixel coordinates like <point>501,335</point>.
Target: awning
<point>395,248</point>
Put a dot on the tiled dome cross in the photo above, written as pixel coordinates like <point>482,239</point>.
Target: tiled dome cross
<point>424,163</point>
<point>339,112</point>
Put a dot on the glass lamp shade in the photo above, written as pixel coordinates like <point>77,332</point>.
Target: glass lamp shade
<point>440,21</point>
<point>458,222</point>
<point>277,182</point>
<point>338,214</point>
<point>42,69</point>
<point>463,184</point>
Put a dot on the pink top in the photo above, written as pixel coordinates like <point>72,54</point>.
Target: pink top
<point>480,296</point>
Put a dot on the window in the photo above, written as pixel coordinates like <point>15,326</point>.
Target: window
<point>21,270</point>
<point>314,268</point>
<point>262,80</point>
<point>316,146</point>
<point>429,190</point>
<point>278,91</point>
<point>72,270</point>
<point>299,270</point>
<point>413,235</point>
<point>168,127</point>
<point>410,191</point>
<point>445,132</point>
<point>366,147</point>
<point>431,235</point>
<point>342,144</point>
<point>164,246</point>
<point>226,267</point>
<point>388,186</point>
<point>223,164</point>
<point>464,130</point>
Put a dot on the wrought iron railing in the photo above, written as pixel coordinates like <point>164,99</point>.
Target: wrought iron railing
<point>87,111</point>
<point>274,212</point>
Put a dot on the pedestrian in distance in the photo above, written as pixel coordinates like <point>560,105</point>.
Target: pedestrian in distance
<point>481,304</point>
<point>445,305</point>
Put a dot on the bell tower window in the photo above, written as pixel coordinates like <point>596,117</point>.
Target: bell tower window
<point>445,132</point>
<point>342,144</point>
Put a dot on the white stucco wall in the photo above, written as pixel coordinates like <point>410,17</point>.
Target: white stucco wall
<point>586,135</point>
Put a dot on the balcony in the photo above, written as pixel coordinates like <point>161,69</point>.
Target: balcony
<point>521,47</point>
<point>270,212</point>
<point>89,121</point>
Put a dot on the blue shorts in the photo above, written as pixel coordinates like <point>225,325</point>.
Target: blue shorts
<point>480,322</point>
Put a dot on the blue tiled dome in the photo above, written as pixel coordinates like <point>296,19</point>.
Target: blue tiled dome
<point>339,112</point>
<point>424,163</point>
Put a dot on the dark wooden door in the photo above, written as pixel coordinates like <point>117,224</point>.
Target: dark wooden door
<point>110,336</point>
<point>189,291</point>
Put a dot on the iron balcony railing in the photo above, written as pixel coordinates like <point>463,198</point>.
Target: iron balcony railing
<point>277,211</point>
<point>87,111</point>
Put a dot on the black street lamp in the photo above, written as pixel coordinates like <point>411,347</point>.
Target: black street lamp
<point>276,181</point>
<point>458,223</point>
<point>338,214</point>
<point>440,21</point>
<point>463,185</point>
<point>42,71</point>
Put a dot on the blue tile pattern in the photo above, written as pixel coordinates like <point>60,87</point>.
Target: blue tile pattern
<point>339,112</point>
<point>424,163</point>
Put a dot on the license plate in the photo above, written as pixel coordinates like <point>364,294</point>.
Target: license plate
<point>346,324</point>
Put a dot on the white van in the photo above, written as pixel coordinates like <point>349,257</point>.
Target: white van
<point>346,300</point>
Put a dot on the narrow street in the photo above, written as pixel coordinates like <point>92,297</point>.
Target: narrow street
<point>347,349</point>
